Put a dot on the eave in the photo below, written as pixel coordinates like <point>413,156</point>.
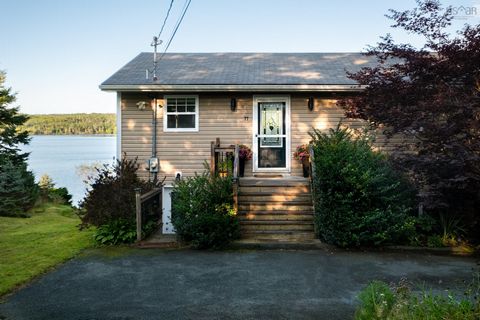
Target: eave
<point>233,88</point>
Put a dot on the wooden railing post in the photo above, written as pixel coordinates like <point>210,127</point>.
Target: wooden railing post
<point>311,160</point>
<point>236,162</point>
<point>138,213</point>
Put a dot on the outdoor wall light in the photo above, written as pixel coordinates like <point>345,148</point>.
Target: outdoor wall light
<point>141,105</point>
<point>311,102</point>
<point>233,104</point>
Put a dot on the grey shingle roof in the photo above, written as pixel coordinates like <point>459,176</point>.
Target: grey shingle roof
<point>242,69</point>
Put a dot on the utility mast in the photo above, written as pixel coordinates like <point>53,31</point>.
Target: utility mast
<point>155,43</point>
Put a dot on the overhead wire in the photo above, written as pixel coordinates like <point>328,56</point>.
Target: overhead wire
<point>166,18</point>
<point>186,5</point>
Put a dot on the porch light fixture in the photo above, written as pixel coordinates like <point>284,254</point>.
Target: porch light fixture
<point>233,104</point>
<point>141,105</point>
<point>311,102</point>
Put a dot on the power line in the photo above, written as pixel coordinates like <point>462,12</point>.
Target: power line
<point>166,17</point>
<point>187,4</point>
<point>156,41</point>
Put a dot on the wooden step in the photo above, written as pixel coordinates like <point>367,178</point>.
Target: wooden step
<point>275,225</point>
<point>252,197</point>
<point>275,222</point>
<point>274,206</point>
<point>278,191</point>
<point>275,217</point>
<point>274,182</point>
<point>284,235</point>
<point>245,228</point>
<point>276,212</point>
<point>303,189</point>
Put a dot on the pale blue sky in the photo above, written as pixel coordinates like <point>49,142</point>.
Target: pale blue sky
<point>57,52</point>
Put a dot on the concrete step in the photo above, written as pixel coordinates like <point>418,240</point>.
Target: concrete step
<point>284,235</point>
<point>275,217</point>
<point>246,228</point>
<point>274,207</point>
<point>279,244</point>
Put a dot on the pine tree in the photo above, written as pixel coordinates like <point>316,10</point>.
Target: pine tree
<point>18,190</point>
<point>10,119</point>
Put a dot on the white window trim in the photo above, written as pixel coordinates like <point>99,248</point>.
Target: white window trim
<point>119,126</point>
<point>166,129</point>
<point>271,98</point>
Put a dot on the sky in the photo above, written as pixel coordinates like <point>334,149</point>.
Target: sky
<point>57,52</point>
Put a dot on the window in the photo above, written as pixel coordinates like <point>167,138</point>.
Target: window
<point>181,113</point>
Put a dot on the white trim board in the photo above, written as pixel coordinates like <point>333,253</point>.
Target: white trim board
<point>119,126</point>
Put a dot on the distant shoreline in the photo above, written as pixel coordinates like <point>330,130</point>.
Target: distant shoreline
<point>71,124</point>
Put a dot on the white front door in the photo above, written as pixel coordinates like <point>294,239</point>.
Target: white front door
<point>271,134</point>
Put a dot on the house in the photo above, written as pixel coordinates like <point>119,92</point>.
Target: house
<point>169,115</point>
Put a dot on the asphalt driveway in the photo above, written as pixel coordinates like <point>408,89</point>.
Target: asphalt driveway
<point>184,284</point>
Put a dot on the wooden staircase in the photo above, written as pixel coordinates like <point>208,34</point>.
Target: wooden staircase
<point>275,209</point>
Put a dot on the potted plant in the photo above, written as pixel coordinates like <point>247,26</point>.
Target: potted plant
<point>302,154</point>
<point>225,167</point>
<point>244,154</point>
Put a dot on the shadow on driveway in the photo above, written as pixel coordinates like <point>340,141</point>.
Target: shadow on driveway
<point>184,284</point>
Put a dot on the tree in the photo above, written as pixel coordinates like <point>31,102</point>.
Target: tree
<point>432,95</point>
<point>18,190</point>
<point>10,119</point>
<point>45,182</point>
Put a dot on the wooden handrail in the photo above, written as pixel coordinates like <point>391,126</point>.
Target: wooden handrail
<point>150,194</point>
<point>311,160</point>
<point>139,200</point>
<point>216,149</point>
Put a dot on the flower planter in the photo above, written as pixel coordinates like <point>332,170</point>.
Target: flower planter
<point>223,174</point>
<point>306,167</point>
<point>241,170</point>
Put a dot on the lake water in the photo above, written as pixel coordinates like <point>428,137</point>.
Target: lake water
<point>60,157</point>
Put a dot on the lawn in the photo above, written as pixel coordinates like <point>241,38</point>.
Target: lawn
<point>31,246</point>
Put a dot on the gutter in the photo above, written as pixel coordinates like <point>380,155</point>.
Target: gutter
<point>233,88</point>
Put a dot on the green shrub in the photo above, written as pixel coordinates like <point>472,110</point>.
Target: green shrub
<point>202,211</point>
<point>18,191</point>
<point>49,193</point>
<point>110,203</point>
<point>60,195</point>
<point>116,232</point>
<point>359,199</point>
<point>379,301</point>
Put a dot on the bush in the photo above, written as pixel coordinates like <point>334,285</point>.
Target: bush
<point>359,199</point>
<point>18,191</point>
<point>379,301</point>
<point>60,195</point>
<point>202,211</point>
<point>110,203</point>
<point>116,232</point>
<point>49,193</point>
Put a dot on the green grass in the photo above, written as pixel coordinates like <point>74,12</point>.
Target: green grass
<point>381,302</point>
<point>31,246</point>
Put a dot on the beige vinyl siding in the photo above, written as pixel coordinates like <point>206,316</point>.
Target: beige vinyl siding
<point>187,151</point>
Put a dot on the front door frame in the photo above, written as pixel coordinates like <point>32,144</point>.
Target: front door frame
<point>271,98</point>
